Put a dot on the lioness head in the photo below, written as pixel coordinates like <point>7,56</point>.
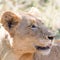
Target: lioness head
<point>29,33</point>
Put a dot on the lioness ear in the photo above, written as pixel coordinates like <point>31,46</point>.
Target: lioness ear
<point>10,21</point>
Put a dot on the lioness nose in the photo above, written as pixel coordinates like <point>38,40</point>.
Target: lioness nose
<point>50,37</point>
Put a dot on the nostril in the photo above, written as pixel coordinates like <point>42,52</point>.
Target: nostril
<point>50,37</point>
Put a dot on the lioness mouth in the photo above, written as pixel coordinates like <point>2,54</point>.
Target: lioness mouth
<point>42,48</point>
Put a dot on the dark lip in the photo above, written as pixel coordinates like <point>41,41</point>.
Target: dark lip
<point>42,48</point>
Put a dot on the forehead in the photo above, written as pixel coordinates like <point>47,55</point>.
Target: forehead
<point>30,19</point>
<point>27,20</point>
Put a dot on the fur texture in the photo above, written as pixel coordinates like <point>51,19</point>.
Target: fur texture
<point>29,35</point>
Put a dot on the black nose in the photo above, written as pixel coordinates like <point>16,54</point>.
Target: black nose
<point>50,37</point>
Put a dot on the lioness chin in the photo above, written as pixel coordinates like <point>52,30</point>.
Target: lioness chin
<point>29,35</point>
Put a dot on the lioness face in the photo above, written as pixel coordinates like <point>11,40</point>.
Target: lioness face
<point>29,33</point>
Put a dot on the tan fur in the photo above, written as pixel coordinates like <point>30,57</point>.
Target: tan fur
<point>25,37</point>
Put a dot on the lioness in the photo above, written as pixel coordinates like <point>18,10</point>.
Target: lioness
<point>28,34</point>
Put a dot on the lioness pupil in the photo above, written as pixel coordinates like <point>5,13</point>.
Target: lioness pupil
<point>33,26</point>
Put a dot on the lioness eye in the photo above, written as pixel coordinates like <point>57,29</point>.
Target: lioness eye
<point>33,26</point>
